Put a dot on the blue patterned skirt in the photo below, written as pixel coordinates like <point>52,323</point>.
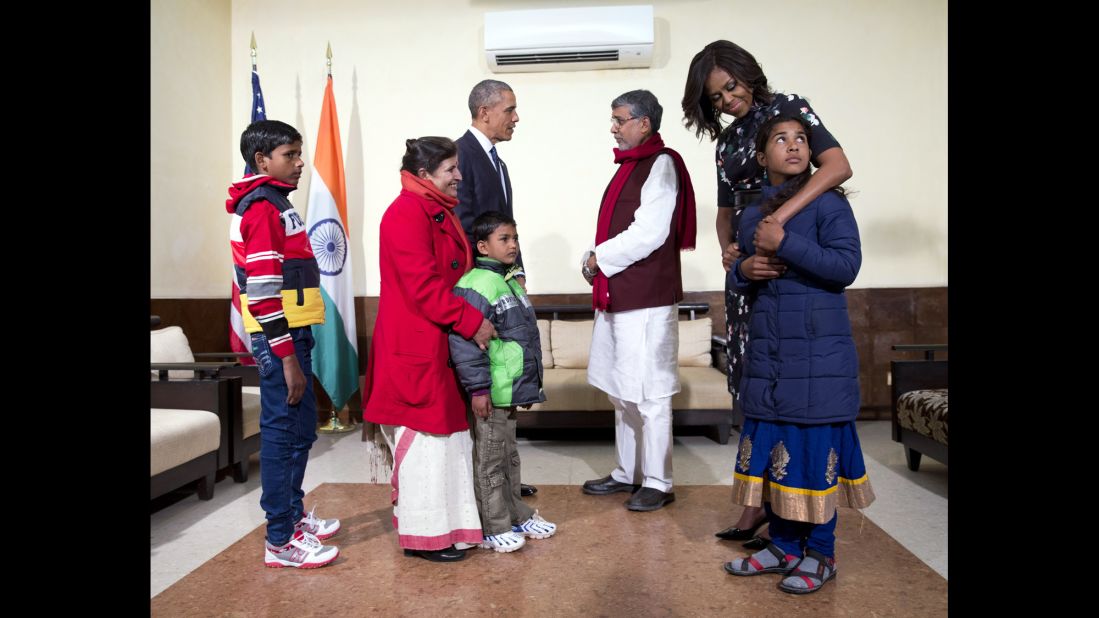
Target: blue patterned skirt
<point>804,471</point>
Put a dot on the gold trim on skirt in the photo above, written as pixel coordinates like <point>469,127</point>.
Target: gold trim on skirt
<point>796,504</point>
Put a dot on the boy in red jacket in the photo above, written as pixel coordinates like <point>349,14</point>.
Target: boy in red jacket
<point>280,300</point>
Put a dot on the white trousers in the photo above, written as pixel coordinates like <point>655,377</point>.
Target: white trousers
<point>643,440</point>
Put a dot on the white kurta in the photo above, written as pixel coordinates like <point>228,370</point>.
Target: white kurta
<point>634,354</point>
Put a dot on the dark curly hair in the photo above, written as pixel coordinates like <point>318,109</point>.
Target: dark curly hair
<point>698,111</point>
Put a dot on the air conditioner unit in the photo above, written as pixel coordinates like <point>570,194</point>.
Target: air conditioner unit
<point>573,39</point>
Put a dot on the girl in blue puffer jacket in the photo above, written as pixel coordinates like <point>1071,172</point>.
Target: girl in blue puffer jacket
<point>799,454</point>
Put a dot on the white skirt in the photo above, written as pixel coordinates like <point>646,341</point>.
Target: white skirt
<point>434,506</point>
<point>635,354</point>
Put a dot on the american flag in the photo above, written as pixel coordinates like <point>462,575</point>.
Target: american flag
<point>239,340</point>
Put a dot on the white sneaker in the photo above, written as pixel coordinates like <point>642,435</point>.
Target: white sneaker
<point>504,542</point>
<point>303,551</point>
<point>320,528</point>
<point>535,527</point>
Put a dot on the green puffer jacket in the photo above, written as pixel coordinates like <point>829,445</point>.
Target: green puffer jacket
<point>512,369</point>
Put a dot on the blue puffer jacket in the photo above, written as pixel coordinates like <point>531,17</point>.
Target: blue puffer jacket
<point>800,364</point>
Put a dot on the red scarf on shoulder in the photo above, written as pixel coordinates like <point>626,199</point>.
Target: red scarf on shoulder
<point>685,205</point>
<point>427,190</point>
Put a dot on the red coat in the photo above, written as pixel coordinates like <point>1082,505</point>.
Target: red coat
<point>409,380</point>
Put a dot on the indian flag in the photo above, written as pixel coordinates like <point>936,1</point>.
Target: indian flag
<point>335,357</point>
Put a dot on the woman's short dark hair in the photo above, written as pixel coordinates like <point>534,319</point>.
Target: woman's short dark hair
<point>698,111</point>
<point>427,153</point>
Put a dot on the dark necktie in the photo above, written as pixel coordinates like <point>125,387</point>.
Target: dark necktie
<point>495,159</point>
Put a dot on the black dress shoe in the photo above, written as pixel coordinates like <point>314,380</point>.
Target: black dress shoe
<point>606,485</point>
<point>450,554</point>
<point>733,533</point>
<point>756,543</point>
<point>527,490</point>
<point>649,499</point>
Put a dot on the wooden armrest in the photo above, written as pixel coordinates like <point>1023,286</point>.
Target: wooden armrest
<point>198,355</point>
<point>928,349</point>
<point>205,370</point>
<point>719,353</point>
<point>558,310</point>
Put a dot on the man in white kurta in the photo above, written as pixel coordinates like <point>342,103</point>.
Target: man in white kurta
<point>634,352</point>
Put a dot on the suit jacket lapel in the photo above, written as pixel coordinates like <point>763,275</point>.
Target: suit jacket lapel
<point>488,170</point>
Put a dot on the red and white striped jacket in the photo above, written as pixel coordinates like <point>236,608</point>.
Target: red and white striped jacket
<point>278,276</point>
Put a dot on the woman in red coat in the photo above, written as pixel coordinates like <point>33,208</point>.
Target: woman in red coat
<point>410,384</point>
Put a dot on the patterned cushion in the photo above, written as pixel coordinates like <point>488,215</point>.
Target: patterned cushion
<point>925,412</point>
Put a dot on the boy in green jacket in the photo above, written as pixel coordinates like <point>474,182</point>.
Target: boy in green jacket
<point>506,376</point>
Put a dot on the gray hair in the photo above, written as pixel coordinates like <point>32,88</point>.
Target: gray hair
<point>485,94</point>
<point>642,103</point>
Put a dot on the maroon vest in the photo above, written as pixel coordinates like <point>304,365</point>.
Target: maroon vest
<point>655,280</point>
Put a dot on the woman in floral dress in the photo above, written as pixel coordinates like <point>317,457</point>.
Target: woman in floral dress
<point>725,79</point>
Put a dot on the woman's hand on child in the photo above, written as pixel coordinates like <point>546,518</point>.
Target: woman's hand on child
<point>730,255</point>
<point>484,334</point>
<point>482,407</point>
<point>769,234</point>
<point>758,268</point>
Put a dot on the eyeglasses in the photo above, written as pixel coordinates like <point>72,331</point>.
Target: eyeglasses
<point>619,122</point>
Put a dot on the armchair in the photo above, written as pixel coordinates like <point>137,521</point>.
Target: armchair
<point>920,411</point>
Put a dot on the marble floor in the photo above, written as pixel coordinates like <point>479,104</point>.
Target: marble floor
<point>185,532</point>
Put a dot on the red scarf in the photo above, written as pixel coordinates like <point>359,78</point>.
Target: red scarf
<point>684,203</point>
<point>427,190</point>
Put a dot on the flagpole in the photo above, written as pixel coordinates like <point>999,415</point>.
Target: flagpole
<point>253,50</point>
<point>334,425</point>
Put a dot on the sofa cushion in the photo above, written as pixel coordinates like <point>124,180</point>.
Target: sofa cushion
<point>926,412</point>
<point>701,388</point>
<point>571,343</point>
<point>169,345</point>
<point>178,436</point>
<point>544,338</point>
<point>568,389</point>
<point>250,404</point>
<point>694,342</point>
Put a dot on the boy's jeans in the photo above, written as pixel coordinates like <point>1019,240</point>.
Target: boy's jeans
<point>286,435</point>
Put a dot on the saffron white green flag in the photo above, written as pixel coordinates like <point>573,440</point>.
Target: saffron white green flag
<point>335,357</point>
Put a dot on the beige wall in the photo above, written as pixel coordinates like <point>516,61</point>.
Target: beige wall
<point>875,71</point>
<point>190,127</point>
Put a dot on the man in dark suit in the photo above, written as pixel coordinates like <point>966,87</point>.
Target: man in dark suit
<point>485,183</point>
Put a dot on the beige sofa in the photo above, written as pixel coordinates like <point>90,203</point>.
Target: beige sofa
<point>703,400</point>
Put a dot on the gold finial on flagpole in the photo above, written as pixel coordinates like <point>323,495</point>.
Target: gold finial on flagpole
<point>253,50</point>
<point>329,54</point>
